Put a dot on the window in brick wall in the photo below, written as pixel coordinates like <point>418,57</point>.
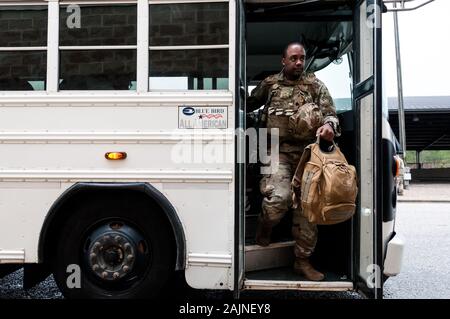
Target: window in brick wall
<point>189,24</point>
<point>100,52</point>
<point>189,69</point>
<point>98,25</point>
<point>97,69</point>
<point>189,46</point>
<point>23,41</point>
<point>23,70</point>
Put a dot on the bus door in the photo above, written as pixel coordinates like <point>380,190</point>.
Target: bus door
<point>240,151</point>
<point>367,99</point>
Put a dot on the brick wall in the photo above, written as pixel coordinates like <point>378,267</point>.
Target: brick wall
<point>107,69</point>
<point>189,24</point>
<point>20,28</point>
<point>100,25</point>
<point>24,65</point>
<point>430,175</point>
<point>203,63</point>
<point>23,28</point>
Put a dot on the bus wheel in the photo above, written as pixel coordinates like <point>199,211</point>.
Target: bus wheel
<point>109,251</point>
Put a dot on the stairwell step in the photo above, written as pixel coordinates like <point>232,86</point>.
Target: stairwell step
<point>275,255</point>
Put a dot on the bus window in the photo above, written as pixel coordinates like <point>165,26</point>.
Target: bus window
<point>188,24</point>
<point>189,46</point>
<point>190,69</point>
<point>24,32</point>
<point>338,79</point>
<point>97,69</point>
<point>100,25</point>
<point>90,56</point>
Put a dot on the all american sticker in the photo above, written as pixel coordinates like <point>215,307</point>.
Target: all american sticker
<point>202,117</point>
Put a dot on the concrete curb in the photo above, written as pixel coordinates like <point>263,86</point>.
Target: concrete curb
<point>424,200</point>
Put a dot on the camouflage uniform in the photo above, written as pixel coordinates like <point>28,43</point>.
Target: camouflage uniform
<point>316,106</point>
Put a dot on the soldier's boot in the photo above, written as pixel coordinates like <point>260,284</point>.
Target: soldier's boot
<point>303,267</point>
<point>263,232</point>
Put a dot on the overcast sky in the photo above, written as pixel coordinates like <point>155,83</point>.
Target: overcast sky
<point>425,54</point>
<point>425,48</point>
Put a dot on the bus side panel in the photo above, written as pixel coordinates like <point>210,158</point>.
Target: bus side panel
<point>22,213</point>
<point>206,215</point>
<point>46,149</point>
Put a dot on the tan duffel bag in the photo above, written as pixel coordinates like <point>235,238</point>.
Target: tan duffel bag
<point>325,185</point>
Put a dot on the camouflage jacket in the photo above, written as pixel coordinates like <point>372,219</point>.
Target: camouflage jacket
<point>284,99</point>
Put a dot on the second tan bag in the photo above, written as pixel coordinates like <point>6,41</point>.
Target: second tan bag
<point>325,186</point>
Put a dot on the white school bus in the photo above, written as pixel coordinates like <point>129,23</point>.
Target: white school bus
<point>107,109</point>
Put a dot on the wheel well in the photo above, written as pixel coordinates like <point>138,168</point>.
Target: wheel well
<point>83,193</point>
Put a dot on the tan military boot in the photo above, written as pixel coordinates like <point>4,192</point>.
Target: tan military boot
<point>303,267</point>
<point>263,233</point>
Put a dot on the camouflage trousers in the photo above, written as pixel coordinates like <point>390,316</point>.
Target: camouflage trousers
<point>276,189</point>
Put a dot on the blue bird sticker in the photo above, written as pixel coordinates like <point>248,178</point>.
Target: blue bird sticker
<point>188,111</point>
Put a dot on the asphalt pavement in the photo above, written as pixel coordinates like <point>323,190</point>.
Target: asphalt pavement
<point>425,227</point>
<point>423,220</point>
<point>11,288</point>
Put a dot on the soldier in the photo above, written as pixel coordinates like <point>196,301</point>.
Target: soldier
<point>300,106</point>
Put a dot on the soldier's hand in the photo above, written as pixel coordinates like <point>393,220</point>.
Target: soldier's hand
<point>326,132</point>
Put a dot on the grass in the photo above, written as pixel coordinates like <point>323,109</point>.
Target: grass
<point>430,159</point>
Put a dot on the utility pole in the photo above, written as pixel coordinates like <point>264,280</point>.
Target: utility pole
<point>401,110</point>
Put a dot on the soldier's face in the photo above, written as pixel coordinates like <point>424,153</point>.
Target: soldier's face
<point>294,61</point>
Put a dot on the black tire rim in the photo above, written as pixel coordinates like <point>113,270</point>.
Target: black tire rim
<point>116,255</point>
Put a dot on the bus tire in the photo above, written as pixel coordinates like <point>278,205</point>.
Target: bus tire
<point>111,249</point>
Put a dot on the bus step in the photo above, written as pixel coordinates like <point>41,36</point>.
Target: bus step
<point>275,255</point>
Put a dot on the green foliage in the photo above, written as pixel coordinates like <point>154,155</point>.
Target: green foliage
<point>430,158</point>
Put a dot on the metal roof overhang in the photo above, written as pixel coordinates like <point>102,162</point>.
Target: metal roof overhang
<point>426,129</point>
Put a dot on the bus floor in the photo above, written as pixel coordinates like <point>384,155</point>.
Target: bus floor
<point>332,255</point>
<point>288,274</point>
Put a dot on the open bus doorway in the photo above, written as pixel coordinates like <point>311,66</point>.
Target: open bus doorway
<point>327,37</point>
